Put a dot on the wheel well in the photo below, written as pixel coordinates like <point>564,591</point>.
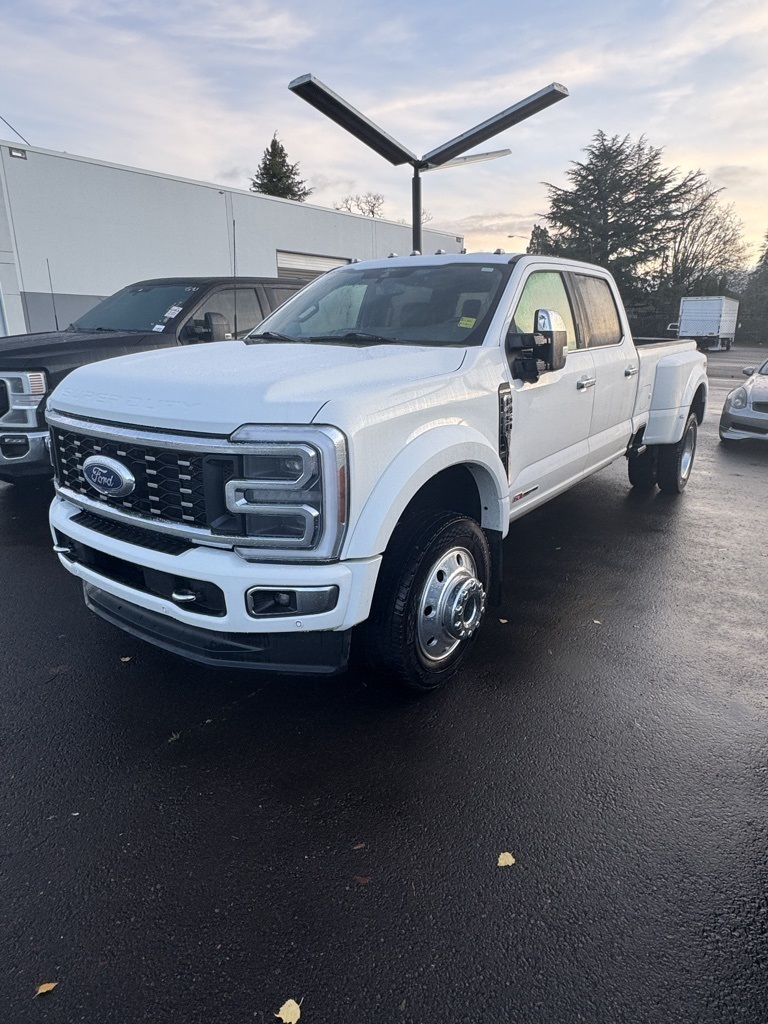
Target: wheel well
<point>699,403</point>
<point>452,490</point>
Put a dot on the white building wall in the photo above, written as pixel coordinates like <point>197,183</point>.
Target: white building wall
<point>100,226</point>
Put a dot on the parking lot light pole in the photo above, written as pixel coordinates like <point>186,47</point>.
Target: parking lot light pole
<point>318,95</point>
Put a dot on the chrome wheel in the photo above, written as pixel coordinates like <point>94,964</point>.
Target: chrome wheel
<point>451,605</point>
<point>676,460</point>
<point>686,456</point>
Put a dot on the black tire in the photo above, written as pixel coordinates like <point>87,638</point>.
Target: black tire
<point>676,460</point>
<point>644,469</point>
<point>432,586</point>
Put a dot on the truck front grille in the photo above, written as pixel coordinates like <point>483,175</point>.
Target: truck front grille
<point>169,483</point>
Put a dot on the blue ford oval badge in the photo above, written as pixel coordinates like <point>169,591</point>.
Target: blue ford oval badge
<point>108,476</point>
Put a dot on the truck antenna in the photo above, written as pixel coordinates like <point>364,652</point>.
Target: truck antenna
<point>53,297</point>
<point>234,269</point>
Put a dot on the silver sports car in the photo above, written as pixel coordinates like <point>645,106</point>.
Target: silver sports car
<point>745,413</point>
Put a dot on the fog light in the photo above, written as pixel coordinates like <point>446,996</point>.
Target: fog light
<point>265,602</point>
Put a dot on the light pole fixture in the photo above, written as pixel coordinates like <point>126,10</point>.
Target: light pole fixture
<point>318,95</point>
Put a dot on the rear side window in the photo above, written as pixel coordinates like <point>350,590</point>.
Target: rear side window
<point>278,294</point>
<point>600,318</point>
<point>544,289</point>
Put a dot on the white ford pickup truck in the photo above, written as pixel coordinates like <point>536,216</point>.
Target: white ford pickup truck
<point>354,464</point>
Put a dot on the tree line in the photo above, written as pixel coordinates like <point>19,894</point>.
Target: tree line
<point>662,233</point>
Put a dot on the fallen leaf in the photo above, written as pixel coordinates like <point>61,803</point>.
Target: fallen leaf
<point>290,1011</point>
<point>597,622</point>
<point>363,879</point>
<point>504,621</point>
<point>173,737</point>
<point>359,846</point>
<point>125,659</point>
<point>506,860</point>
<point>49,986</point>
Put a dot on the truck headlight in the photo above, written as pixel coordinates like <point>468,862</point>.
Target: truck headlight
<point>21,396</point>
<point>737,399</point>
<point>292,494</point>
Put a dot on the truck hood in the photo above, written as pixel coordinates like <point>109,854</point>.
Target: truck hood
<point>58,352</point>
<point>214,389</point>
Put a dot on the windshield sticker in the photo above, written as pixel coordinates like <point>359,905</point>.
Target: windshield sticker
<point>467,321</point>
<point>172,312</point>
<point>159,327</point>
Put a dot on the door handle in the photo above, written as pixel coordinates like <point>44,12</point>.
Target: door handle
<point>631,371</point>
<point>586,383</point>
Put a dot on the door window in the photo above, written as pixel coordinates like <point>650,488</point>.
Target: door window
<point>240,307</point>
<point>601,324</point>
<point>544,289</point>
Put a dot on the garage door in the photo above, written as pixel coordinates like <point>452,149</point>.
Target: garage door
<point>305,266</point>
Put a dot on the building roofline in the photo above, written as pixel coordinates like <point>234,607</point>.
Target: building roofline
<point>209,184</point>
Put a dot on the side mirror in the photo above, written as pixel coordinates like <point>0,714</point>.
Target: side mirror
<point>748,371</point>
<point>551,326</point>
<point>519,349</point>
<point>216,327</point>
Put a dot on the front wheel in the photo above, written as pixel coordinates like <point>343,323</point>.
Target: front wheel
<point>430,599</point>
<point>676,460</point>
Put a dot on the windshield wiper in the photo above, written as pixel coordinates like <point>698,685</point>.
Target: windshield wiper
<point>272,336</point>
<point>353,336</point>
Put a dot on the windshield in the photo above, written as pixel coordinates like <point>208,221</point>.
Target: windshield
<point>764,369</point>
<point>442,304</point>
<point>145,307</point>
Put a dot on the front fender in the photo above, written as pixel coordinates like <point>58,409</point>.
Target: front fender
<point>422,459</point>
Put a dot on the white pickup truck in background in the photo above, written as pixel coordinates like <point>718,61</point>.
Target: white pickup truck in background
<point>355,463</point>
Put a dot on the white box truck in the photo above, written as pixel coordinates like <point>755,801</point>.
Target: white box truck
<point>710,320</point>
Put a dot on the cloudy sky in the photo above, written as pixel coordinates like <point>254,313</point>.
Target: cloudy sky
<point>197,89</point>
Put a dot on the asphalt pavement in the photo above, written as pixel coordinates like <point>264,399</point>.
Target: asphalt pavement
<point>188,845</point>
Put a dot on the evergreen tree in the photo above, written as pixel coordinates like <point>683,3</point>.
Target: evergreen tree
<point>621,209</point>
<point>540,243</point>
<point>277,177</point>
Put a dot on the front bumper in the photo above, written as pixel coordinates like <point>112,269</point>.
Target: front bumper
<point>320,653</point>
<point>134,575</point>
<point>742,424</point>
<point>23,454</point>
